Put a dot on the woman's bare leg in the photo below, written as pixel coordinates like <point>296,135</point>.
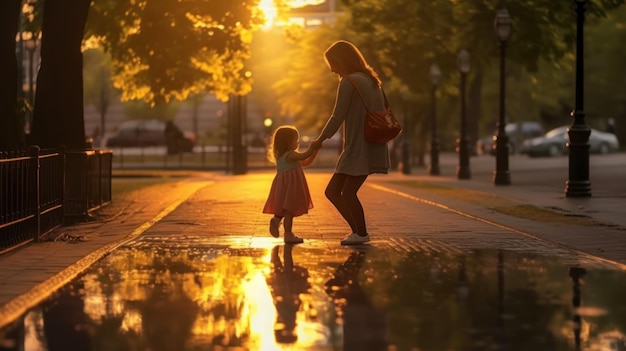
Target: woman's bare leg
<point>341,191</point>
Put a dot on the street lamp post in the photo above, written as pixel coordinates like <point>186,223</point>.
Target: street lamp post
<point>463,171</point>
<point>408,132</point>
<point>502,27</point>
<point>435,76</point>
<point>236,115</point>
<point>30,46</point>
<point>578,184</point>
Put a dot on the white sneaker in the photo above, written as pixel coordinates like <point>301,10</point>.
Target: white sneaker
<point>355,239</point>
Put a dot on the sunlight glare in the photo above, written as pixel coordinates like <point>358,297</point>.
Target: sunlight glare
<point>262,312</point>
<point>302,3</point>
<point>269,11</point>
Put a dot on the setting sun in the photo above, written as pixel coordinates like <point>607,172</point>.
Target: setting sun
<point>269,10</point>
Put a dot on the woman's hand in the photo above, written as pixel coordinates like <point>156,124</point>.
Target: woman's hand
<point>317,144</point>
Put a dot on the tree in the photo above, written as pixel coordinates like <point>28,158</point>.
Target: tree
<point>168,50</point>
<point>160,50</point>
<point>410,35</point>
<point>307,88</point>
<point>58,111</point>
<point>605,80</point>
<point>11,133</point>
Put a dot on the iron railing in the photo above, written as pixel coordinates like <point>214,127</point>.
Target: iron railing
<point>41,190</point>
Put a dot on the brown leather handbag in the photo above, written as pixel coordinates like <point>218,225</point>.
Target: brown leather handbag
<point>380,127</point>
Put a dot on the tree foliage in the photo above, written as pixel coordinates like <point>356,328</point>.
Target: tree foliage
<point>307,88</point>
<point>403,38</point>
<point>604,68</point>
<point>410,35</point>
<point>164,50</point>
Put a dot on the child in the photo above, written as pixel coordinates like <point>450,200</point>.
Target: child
<point>289,195</point>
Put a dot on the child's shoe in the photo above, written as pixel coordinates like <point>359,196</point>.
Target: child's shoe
<point>291,238</point>
<point>274,224</point>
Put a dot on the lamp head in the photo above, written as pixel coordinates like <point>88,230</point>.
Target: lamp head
<point>435,74</point>
<point>463,61</point>
<point>503,25</point>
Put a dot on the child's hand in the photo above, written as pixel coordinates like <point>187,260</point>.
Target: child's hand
<point>312,155</point>
<point>316,144</point>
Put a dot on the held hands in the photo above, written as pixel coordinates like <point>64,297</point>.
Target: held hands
<point>314,147</point>
<point>316,144</point>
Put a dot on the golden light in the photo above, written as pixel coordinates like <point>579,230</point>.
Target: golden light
<point>269,11</point>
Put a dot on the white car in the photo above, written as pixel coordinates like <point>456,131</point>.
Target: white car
<point>554,143</point>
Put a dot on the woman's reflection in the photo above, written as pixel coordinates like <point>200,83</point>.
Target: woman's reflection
<point>287,281</point>
<point>364,325</point>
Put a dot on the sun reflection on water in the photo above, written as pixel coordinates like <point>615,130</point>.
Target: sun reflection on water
<point>271,297</point>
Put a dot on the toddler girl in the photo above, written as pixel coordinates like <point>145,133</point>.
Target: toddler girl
<point>289,195</point>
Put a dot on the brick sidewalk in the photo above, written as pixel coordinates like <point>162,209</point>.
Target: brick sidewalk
<point>220,205</point>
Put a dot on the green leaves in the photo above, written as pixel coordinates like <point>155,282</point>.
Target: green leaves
<point>164,50</point>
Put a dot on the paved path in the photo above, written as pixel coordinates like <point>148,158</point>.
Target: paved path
<point>403,217</point>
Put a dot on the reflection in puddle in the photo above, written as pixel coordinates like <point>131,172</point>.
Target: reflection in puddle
<point>305,297</point>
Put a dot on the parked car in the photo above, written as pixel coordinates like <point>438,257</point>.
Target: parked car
<point>141,133</point>
<point>530,129</point>
<point>554,143</point>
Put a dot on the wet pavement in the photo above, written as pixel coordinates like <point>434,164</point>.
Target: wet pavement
<point>231,293</point>
<point>201,273</point>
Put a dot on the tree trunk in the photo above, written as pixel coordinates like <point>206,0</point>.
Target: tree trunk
<point>473,109</point>
<point>11,133</point>
<point>58,118</point>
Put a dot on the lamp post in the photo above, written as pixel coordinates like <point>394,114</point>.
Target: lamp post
<point>501,176</point>
<point>407,135</point>
<point>463,171</point>
<point>238,116</point>
<point>435,76</point>
<point>578,184</point>
<point>30,45</point>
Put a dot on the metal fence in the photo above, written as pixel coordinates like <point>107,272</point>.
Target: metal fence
<point>41,190</point>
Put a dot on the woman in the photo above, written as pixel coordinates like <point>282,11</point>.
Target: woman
<point>358,158</point>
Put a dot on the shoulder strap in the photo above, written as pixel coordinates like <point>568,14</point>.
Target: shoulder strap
<point>361,96</point>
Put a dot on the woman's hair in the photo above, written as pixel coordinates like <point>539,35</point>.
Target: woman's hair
<point>344,55</point>
<point>281,142</point>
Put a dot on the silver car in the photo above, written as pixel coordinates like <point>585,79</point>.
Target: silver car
<point>529,129</point>
<point>554,143</point>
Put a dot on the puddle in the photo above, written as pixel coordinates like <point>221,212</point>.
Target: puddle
<point>263,295</point>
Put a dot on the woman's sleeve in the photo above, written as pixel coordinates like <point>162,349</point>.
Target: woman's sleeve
<point>340,111</point>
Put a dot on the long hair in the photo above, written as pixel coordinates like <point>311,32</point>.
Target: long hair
<point>281,142</point>
<point>347,56</point>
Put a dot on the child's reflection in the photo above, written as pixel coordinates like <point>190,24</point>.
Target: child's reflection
<point>364,326</point>
<point>287,281</point>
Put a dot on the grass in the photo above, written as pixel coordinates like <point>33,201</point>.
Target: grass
<point>499,204</point>
<point>122,187</point>
<point>126,181</point>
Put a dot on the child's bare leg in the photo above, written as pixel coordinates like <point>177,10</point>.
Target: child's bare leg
<point>288,223</point>
<point>290,237</point>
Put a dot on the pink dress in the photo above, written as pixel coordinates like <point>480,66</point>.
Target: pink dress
<point>289,191</point>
